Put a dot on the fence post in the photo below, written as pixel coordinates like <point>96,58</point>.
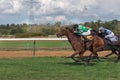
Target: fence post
<point>34,45</point>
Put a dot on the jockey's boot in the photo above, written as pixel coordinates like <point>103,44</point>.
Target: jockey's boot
<point>85,38</point>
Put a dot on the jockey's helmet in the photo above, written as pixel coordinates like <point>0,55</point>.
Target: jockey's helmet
<point>75,26</point>
<point>101,29</point>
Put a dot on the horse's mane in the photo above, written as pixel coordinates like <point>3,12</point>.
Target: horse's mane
<point>72,32</point>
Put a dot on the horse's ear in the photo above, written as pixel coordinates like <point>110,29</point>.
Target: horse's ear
<point>66,27</point>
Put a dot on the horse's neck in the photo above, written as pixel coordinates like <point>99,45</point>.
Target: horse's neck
<point>71,37</point>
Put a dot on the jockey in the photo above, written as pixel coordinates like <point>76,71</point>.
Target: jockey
<point>82,30</point>
<point>108,34</point>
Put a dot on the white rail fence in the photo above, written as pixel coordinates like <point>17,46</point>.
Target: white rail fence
<point>33,40</point>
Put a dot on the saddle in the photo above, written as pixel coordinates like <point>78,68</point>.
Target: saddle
<point>89,37</point>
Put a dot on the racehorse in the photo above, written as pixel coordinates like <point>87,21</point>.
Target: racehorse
<point>78,44</point>
<point>109,45</point>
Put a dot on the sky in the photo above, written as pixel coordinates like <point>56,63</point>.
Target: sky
<point>51,11</point>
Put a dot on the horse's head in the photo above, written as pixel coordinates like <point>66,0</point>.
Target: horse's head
<point>62,32</point>
<point>93,32</point>
<point>99,33</point>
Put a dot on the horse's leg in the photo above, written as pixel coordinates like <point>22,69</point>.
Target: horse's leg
<point>117,59</point>
<point>118,56</point>
<point>74,54</point>
<point>96,56</point>
<point>93,54</point>
<point>113,52</point>
<point>108,55</point>
<point>81,58</point>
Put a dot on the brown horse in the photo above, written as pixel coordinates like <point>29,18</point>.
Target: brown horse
<point>78,44</point>
<point>109,45</point>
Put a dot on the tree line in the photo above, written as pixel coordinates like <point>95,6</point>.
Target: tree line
<point>42,30</point>
<point>113,25</point>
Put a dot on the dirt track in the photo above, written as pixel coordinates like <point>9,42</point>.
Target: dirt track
<point>42,53</point>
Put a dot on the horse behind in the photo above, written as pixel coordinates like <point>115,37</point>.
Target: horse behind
<point>109,45</point>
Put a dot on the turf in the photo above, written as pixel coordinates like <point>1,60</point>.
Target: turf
<point>31,43</point>
<point>57,68</point>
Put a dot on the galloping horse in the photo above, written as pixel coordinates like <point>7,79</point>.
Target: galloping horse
<point>78,44</point>
<point>109,45</point>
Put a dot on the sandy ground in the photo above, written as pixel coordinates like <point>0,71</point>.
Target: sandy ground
<point>6,54</point>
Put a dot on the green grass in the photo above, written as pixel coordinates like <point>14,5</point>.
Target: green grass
<point>57,68</point>
<point>30,43</point>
